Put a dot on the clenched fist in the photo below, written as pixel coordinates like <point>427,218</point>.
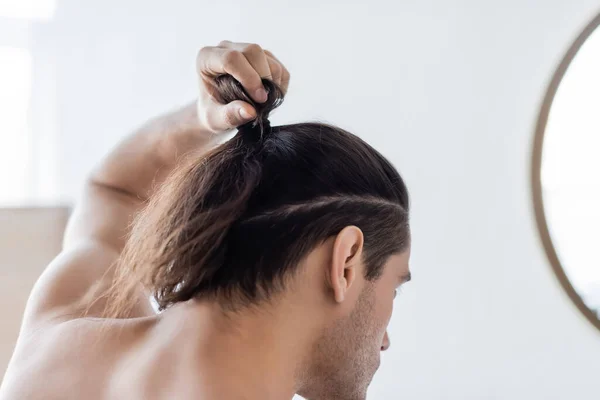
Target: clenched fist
<point>248,64</point>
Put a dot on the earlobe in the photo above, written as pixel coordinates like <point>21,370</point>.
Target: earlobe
<point>345,260</point>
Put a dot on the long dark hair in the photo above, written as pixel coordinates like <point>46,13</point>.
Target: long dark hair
<point>233,224</point>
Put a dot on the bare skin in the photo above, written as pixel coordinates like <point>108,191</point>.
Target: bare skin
<point>191,350</point>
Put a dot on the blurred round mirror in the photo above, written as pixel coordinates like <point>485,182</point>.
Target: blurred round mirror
<point>566,172</point>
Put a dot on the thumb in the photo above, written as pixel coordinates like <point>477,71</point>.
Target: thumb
<point>236,113</point>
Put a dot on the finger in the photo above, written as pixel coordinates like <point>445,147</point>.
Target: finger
<point>238,113</point>
<point>285,74</point>
<point>232,115</point>
<point>276,70</point>
<point>256,57</point>
<point>214,61</point>
<point>218,117</point>
<point>285,80</point>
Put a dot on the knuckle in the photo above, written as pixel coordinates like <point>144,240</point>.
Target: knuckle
<point>231,58</point>
<point>276,69</point>
<point>276,75</point>
<point>224,43</point>
<point>252,48</point>
<point>202,53</point>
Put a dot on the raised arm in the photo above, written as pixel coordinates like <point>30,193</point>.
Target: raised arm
<point>123,181</point>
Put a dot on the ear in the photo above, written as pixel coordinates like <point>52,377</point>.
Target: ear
<point>345,261</point>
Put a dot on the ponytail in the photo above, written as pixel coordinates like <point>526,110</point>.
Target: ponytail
<point>185,224</point>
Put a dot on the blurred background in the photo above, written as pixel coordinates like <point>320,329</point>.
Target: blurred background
<point>448,90</point>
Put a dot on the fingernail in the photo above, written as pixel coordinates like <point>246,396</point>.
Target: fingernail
<point>245,113</point>
<point>261,95</point>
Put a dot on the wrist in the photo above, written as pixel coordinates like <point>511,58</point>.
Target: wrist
<point>181,132</point>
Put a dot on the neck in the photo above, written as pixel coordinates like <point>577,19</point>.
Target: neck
<point>254,354</point>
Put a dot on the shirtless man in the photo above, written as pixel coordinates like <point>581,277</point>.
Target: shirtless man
<point>319,337</point>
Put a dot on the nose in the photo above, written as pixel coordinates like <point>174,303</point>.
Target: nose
<point>386,342</point>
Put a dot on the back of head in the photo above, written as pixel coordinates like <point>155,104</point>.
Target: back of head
<point>233,224</point>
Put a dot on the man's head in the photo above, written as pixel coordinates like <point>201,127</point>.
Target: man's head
<point>238,225</point>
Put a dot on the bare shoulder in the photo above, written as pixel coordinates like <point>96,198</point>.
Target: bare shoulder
<point>72,285</point>
<point>73,360</point>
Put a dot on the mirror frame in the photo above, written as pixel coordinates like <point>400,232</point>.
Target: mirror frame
<point>536,169</point>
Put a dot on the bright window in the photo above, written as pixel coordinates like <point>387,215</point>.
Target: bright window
<point>15,163</point>
<point>27,156</point>
<point>28,9</point>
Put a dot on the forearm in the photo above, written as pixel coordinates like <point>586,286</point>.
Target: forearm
<point>144,159</point>
<point>125,178</point>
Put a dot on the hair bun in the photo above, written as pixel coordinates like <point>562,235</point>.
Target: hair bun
<point>256,131</point>
<point>228,89</point>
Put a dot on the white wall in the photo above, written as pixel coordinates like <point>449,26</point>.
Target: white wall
<point>448,90</point>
